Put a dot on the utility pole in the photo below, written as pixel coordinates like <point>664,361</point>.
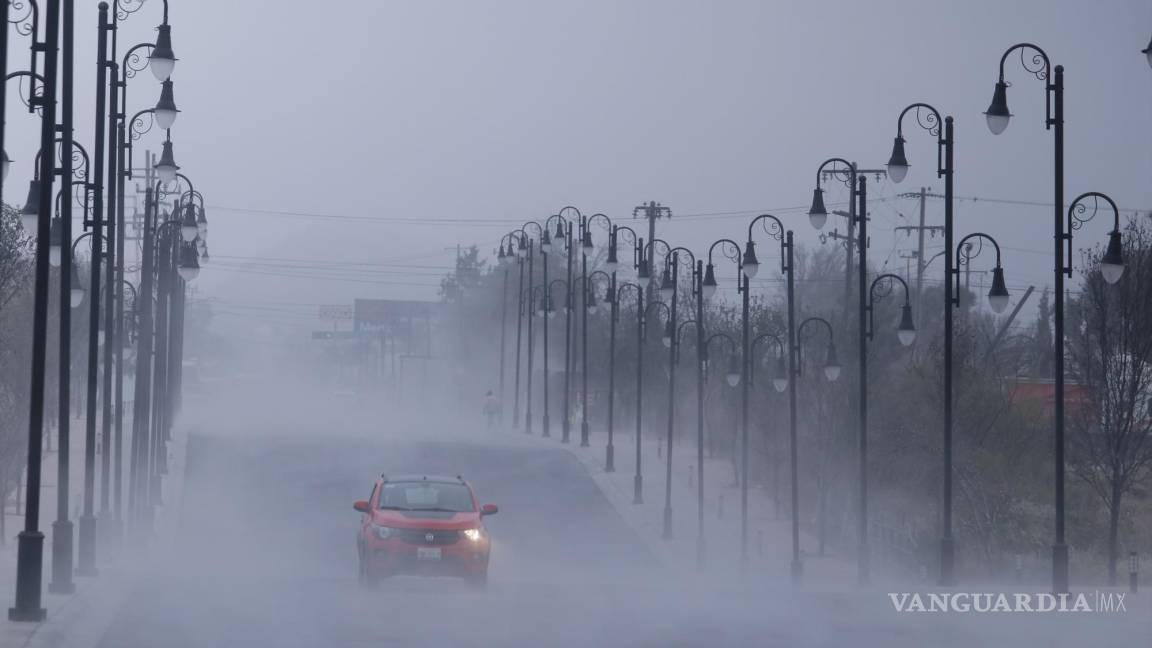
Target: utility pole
<point>652,211</point>
<point>921,263</point>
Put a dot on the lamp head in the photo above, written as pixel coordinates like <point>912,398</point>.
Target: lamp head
<point>643,275</point>
<point>998,294</point>
<point>709,284</point>
<point>188,228</point>
<point>75,289</point>
<point>30,213</point>
<point>817,214</point>
<point>733,375</point>
<point>55,242</point>
<point>166,111</point>
<point>750,264</point>
<point>522,248</point>
<point>997,114</point>
<point>546,242</point>
<point>668,333</point>
<point>1112,263</point>
<point>832,365</point>
<point>162,60</point>
<point>189,263</point>
<point>166,167</point>
<point>907,329</point>
<point>780,380</point>
<point>898,163</point>
<point>666,287</point>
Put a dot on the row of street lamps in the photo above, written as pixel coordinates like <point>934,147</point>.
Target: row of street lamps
<point>181,240</point>
<point>538,300</point>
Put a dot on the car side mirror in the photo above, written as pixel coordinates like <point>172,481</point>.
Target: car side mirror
<point>489,509</point>
<point>361,505</point>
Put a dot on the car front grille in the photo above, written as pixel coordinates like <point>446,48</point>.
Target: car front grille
<point>421,536</point>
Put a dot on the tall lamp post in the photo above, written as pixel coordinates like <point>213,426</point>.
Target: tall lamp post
<point>590,306</point>
<point>30,549</point>
<point>613,300</point>
<point>620,290</point>
<point>563,238</point>
<point>526,250</point>
<point>780,383</point>
<point>518,252</point>
<point>998,116</point>
<point>906,333</point>
<point>928,118</point>
<point>832,369</point>
<point>667,339</point>
<point>750,267</point>
<point>586,247</point>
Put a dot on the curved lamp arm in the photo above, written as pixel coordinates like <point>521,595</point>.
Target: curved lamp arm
<point>906,329</point>
<point>1112,262</point>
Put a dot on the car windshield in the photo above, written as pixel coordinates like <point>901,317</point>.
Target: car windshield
<point>426,496</point>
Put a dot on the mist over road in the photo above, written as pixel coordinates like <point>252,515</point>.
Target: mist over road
<point>265,554</point>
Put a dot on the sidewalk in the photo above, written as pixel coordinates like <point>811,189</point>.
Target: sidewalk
<point>78,619</point>
<point>769,539</point>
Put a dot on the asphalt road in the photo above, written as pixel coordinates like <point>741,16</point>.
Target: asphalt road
<point>265,557</point>
<point>266,553</point>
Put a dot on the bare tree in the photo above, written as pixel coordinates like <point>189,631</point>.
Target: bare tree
<point>1110,347</point>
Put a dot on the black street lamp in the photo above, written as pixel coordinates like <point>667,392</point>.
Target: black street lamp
<point>613,300</point>
<point>526,250</point>
<point>516,253</point>
<point>589,306</point>
<point>586,246</point>
<point>548,311</point>
<point>563,238</point>
<point>857,183</point>
<point>637,496</point>
<point>928,118</point>
<point>668,323</point>
<point>30,549</point>
<point>832,369</point>
<point>906,332</point>
<point>998,116</point>
<point>669,291</point>
<point>546,247</point>
<point>750,267</point>
<point>731,250</point>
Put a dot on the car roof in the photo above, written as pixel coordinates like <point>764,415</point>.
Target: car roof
<point>441,479</point>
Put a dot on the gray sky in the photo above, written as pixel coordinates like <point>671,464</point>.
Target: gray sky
<point>385,119</point>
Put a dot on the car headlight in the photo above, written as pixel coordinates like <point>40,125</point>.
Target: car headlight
<point>474,534</point>
<point>383,532</point>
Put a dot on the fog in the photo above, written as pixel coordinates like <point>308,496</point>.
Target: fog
<point>258,549</point>
<point>358,150</point>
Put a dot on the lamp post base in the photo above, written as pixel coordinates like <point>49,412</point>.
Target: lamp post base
<point>667,534</point>
<point>797,571</point>
<point>528,422</point>
<point>610,459</point>
<point>61,582</point>
<point>700,548</point>
<point>638,489</point>
<point>947,563</point>
<point>583,434</point>
<point>86,557</point>
<point>545,431</point>
<point>29,567</point>
<point>564,432</point>
<point>1059,568</point>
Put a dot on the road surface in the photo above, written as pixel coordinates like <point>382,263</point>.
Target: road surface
<point>265,557</point>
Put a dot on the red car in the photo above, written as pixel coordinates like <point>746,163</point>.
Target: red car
<point>423,524</point>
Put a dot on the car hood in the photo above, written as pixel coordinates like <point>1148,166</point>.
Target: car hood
<point>426,519</point>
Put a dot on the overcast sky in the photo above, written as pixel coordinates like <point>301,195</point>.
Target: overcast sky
<point>384,133</point>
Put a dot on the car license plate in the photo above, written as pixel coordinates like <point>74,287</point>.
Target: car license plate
<point>428,553</point>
